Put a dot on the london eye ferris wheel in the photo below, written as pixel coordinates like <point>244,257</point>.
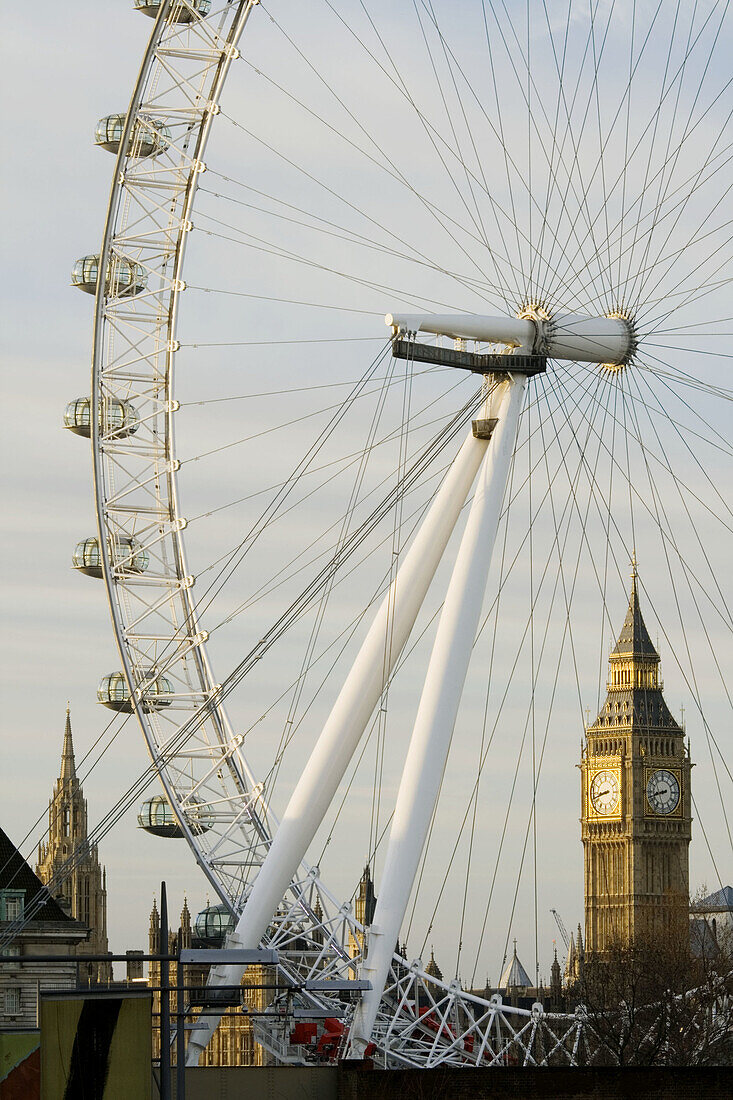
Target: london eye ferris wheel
<point>401,551</point>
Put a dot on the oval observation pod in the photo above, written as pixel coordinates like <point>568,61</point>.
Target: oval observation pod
<point>156,816</point>
<point>213,925</point>
<point>149,135</point>
<point>124,277</point>
<point>127,555</point>
<point>179,13</point>
<point>118,418</point>
<point>157,691</point>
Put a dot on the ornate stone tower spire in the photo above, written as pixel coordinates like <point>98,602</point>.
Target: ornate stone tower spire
<point>154,930</point>
<point>83,893</point>
<point>68,764</point>
<point>186,932</point>
<point>635,799</point>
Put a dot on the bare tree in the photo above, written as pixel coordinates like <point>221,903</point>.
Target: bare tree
<point>660,1001</point>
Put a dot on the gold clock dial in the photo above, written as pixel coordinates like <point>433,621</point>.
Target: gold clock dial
<point>605,792</point>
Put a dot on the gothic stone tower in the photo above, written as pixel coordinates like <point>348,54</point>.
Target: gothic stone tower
<point>635,800</point>
<point>83,895</point>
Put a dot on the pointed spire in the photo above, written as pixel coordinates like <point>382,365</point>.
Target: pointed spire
<point>634,638</point>
<point>68,765</point>
<point>432,968</point>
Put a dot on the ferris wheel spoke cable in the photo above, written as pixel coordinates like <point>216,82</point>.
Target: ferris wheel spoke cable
<point>469,283</point>
<point>283,493</point>
<point>388,662</point>
<point>599,163</point>
<point>666,466</point>
<point>666,89</point>
<point>687,568</point>
<point>280,426</point>
<point>285,301</point>
<point>578,192</point>
<point>358,210</point>
<point>518,178</point>
<point>637,268</point>
<point>688,127</point>
<point>484,186</point>
<point>565,520</point>
<point>280,253</point>
<point>342,464</point>
<point>683,287</point>
<point>666,373</point>
<point>390,168</point>
<point>341,538</point>
<point>318,73</point>
<point>509,678</point>
<point>652,422</point>
<point>580,197</point>
<point>267,587</point>
<point>451,149</point>
<point>471,208</point>
<point>513,220</point>
<point>661,512</point>
<point>605,620</point>
<point>663,464</point>
<point>329,228</point>
<point>275,343</point>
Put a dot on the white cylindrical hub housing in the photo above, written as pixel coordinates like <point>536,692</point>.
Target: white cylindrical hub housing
<point>589,339</point>
<point>519,331</point>
<point>564,336</point>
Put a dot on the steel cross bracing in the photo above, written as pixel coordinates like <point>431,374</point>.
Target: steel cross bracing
<point>196,751</point>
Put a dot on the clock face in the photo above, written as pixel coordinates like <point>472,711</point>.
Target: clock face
<point>604,792</point>
<point>663,791</point>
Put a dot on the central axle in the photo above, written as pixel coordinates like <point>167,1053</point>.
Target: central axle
<point>608,340</point>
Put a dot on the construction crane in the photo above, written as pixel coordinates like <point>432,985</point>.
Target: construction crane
<point>563,929</point>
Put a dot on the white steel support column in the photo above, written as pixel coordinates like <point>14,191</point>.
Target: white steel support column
<point>436,716</point>
<point>348,720</point>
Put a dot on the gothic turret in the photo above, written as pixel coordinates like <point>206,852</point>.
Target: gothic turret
<point>83,893</point>
<point>154,929</point>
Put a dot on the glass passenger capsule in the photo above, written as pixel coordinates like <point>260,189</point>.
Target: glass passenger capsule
<point>127,555</point>
<point>124,278</point>
<point>149,135</point>
<point>213,925</point>
<point>157,691</point>
<point>156,816</point>
<point>179,12</point>
<point>118,418</point>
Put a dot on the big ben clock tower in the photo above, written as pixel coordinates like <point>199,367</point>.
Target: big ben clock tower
<point>635,800</point>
